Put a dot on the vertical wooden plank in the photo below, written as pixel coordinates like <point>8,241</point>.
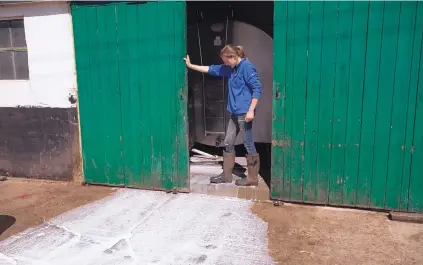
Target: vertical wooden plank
<point>176,31</point>
<point>384,102</point>
<point>180,87</point>
<point>175,18</point>
<point>340,107</point>
<point>398,121</point>
<point>128,81</point>
<point>416,180</point>
<point>278,102</point>
<point>163,111</point>
<point>326,99</point>
<point>126,117</point>
<point>355,102</point>
<point>313,100</point>
<point>135,97</point>
<point>110,94</point>
<point>405,204</point>
<point>156,113</point>
<point>299,86</point>
<point>145,48</point>
<point>96,159</point>
<point>82,62</point>
<point>370,94</point>
<point>173,117</point>
<point>289,94</point>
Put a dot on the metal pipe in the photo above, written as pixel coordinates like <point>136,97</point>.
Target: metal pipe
<point>202,74</point>
<point>204,153</point>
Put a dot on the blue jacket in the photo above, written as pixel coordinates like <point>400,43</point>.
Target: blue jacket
<point>243,85</point>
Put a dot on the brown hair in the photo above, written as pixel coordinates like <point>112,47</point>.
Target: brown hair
<point>233,50</point>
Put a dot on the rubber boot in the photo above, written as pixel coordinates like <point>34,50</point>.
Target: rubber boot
<point>228,166</point>
<point>253,165</point>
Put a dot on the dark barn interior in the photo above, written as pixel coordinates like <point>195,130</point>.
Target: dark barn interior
<point>211,25</point>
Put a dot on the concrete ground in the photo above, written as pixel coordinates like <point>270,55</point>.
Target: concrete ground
<point>142,227</point>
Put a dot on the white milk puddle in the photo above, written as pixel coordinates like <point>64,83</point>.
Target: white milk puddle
<point>146,227</point>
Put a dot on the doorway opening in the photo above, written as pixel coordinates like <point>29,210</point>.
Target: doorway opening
<point>210,26</point>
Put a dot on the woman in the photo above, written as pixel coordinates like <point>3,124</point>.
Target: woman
<point>244,90</point>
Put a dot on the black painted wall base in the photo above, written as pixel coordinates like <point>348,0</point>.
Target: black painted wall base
<point>39,143</point>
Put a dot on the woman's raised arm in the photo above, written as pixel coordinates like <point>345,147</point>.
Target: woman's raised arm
<point>199,68</point>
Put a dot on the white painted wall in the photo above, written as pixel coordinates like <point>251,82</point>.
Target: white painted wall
<point>49,37</point>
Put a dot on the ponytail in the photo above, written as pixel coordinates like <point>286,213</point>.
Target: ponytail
<point>240,51</point>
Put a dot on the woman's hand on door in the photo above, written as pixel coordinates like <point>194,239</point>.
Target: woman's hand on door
<point>187,60</point>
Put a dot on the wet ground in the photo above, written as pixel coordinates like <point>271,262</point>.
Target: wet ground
<point>146,227</point>
<point>139,227</point>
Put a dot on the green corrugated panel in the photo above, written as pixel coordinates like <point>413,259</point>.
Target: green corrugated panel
<point>346,130</point>
<point>132,93</point>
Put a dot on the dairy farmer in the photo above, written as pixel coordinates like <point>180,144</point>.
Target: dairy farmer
<point>244,90</point>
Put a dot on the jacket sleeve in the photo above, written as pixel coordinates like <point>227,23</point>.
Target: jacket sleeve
<point>253,82</point>
<point>220,70</point>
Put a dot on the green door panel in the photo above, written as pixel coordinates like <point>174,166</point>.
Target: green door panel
<point>99,94</point>
<point>132,93</point>
<point>347,104</point>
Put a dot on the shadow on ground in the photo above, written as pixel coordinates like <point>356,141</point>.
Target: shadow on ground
<point>6,221</point>
<point>263,149</point>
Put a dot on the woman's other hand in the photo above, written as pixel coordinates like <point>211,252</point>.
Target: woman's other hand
<point>249,116</point>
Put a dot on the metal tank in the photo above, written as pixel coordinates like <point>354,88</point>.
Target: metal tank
<point>208,116</point>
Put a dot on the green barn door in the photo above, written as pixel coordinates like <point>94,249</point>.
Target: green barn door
<point>131,82</point>
<point>347,103</point>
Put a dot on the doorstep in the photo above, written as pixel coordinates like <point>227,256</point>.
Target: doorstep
<point>200,183</point>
